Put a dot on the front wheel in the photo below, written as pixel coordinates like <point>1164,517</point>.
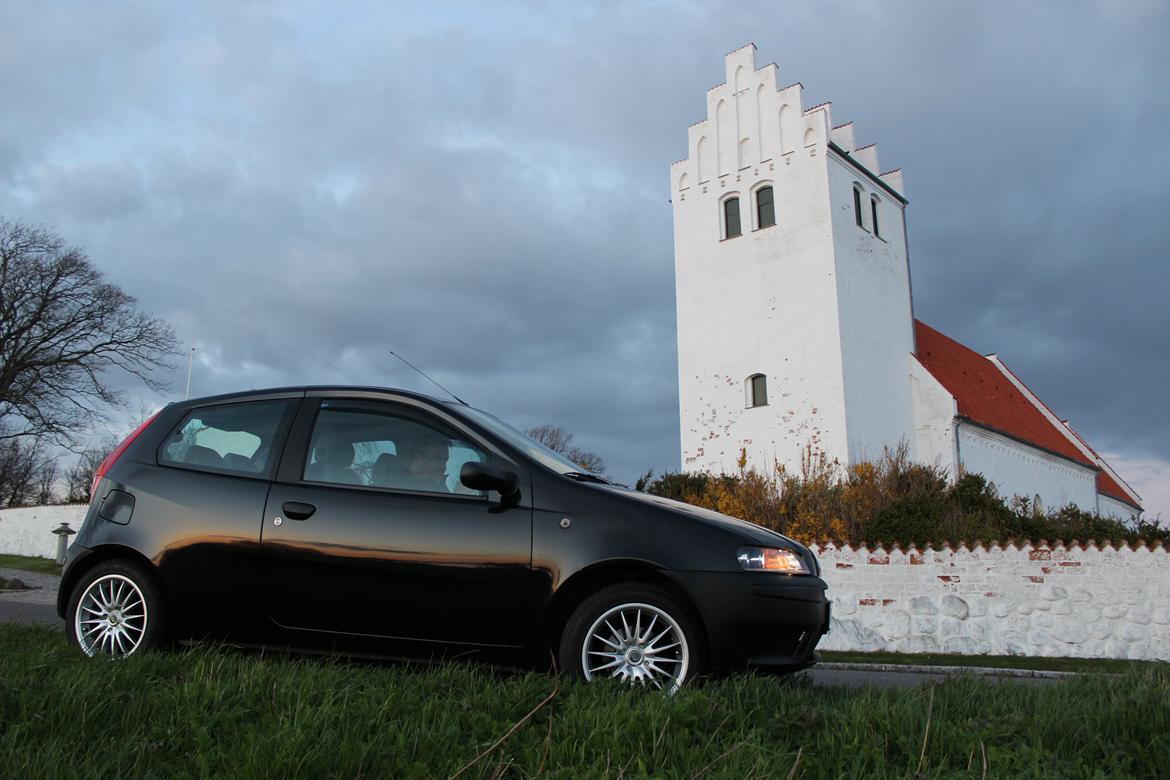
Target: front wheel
<point>636,633</point>
<point>116,610</point>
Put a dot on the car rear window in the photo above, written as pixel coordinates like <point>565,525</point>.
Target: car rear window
<point>236,438</point>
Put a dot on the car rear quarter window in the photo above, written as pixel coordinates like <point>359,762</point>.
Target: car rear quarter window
<point>240,438</point>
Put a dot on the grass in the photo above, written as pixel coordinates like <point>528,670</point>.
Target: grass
<point>215,712</point>
<point>1102,665</point>
<point>29,563</point>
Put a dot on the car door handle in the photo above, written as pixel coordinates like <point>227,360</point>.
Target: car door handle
<point>298,510</point>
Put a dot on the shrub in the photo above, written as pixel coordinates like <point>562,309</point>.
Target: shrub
<point>891,500</point>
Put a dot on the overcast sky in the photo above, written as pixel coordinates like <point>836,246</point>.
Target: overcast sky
<point>300,188</point>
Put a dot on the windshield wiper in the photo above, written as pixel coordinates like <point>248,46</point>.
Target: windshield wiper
<point>584,476</point>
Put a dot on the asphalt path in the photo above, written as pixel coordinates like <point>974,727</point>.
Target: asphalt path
<point>23,612</point>
<point>885,678</point>
<point>38,604</point>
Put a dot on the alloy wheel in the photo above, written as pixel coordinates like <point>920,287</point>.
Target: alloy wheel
<point>111,617</point>
<point>638,643</point>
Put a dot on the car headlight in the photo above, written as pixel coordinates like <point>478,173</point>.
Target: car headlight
<point>770,559</point>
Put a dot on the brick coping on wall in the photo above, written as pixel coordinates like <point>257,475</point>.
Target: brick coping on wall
<point>1011,544</point>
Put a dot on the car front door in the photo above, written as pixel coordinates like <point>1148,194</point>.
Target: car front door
<point>368,531</point>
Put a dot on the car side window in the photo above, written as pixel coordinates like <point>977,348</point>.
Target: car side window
<point>370,447</point>
<point>234,438</point>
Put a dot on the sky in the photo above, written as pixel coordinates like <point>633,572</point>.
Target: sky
<point>300,188</point>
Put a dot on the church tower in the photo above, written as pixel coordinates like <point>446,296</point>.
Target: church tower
<point>792,283</point>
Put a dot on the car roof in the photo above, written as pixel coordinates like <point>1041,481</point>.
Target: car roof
<point>277,392</point>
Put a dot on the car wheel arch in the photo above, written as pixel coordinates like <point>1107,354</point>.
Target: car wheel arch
<point>581,584</point>
<point>103,554</point>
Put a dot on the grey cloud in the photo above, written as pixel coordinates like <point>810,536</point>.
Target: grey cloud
<point>301,195</point>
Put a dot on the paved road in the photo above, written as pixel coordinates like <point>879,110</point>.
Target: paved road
<point>37,605</point>
<point>23,612</point>
<point>882,678</point>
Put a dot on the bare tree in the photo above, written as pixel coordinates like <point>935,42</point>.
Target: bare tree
<point>559,440</point>
<point>27,473</point>
<point>554,437</point>
<point>80,476</point>
<point>62,329</point>
<point>46,484</point>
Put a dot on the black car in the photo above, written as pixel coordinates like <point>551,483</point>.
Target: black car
<point>384,522</point>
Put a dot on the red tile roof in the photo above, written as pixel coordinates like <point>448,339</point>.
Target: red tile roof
<point>985,396</point>
<point>988,398</point>
<point>1105,482</point>
<point>1107,485</point>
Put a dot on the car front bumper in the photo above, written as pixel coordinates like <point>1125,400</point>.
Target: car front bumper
<point>760,620</point>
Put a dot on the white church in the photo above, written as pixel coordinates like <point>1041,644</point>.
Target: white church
<point>796,324</point>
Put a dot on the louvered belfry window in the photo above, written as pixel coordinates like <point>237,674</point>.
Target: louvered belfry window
<point>765,207</point>
<point>731,218</point>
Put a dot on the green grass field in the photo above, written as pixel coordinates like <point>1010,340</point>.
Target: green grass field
<point>27,563</point>
<point>221,713</point>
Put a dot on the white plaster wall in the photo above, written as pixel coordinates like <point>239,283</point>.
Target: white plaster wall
<point>27,531</point>
<point>1111,507</point>
<point>1020,470</point>
<point>876,326</point>
<point>766,301</point>
<point>934,419</point>
<point>1031,600</point>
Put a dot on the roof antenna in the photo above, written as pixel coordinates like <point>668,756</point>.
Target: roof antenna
<point>433,382</point>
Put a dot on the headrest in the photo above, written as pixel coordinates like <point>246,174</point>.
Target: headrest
<point>336,453</point>
<point>198,455</point>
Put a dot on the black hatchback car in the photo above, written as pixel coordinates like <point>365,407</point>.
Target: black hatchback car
<point>383,522</point>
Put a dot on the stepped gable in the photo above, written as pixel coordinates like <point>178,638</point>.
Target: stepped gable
<point>986,397</point>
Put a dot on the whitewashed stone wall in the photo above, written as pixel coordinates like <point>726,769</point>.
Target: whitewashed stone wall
<point>1033,600</point>
<point>28,531</point>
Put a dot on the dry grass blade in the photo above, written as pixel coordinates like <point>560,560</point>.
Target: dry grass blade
<point>983,755</point>
<point>547,745</point>
<point>796,763</point>
<point>556,689</point>
<point>925,734</point>
<point>719,758</point>
<point>658,741</point>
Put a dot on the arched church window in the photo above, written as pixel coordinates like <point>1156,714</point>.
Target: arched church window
<point>765,207</point>
<point>757,390</point>
<point>731,227</point>
<point>857,206</point>
<point>873,205</point>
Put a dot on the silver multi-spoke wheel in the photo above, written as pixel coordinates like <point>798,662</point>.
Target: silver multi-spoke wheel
<point>111,617</point>
<point>638,643</point>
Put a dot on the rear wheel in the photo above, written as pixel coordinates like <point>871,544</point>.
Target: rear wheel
<point>116,610</point>
<point>636,633</point>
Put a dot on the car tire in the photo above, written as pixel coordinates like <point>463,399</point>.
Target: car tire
<point>116,610</point>
<point>636,632</point>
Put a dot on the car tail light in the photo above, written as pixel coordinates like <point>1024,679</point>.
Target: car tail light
<point>112,458</point>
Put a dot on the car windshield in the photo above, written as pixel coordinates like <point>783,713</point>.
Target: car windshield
<point>534,449</point>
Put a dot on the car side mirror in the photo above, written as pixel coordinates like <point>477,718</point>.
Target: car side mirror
<point>481,476</point>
